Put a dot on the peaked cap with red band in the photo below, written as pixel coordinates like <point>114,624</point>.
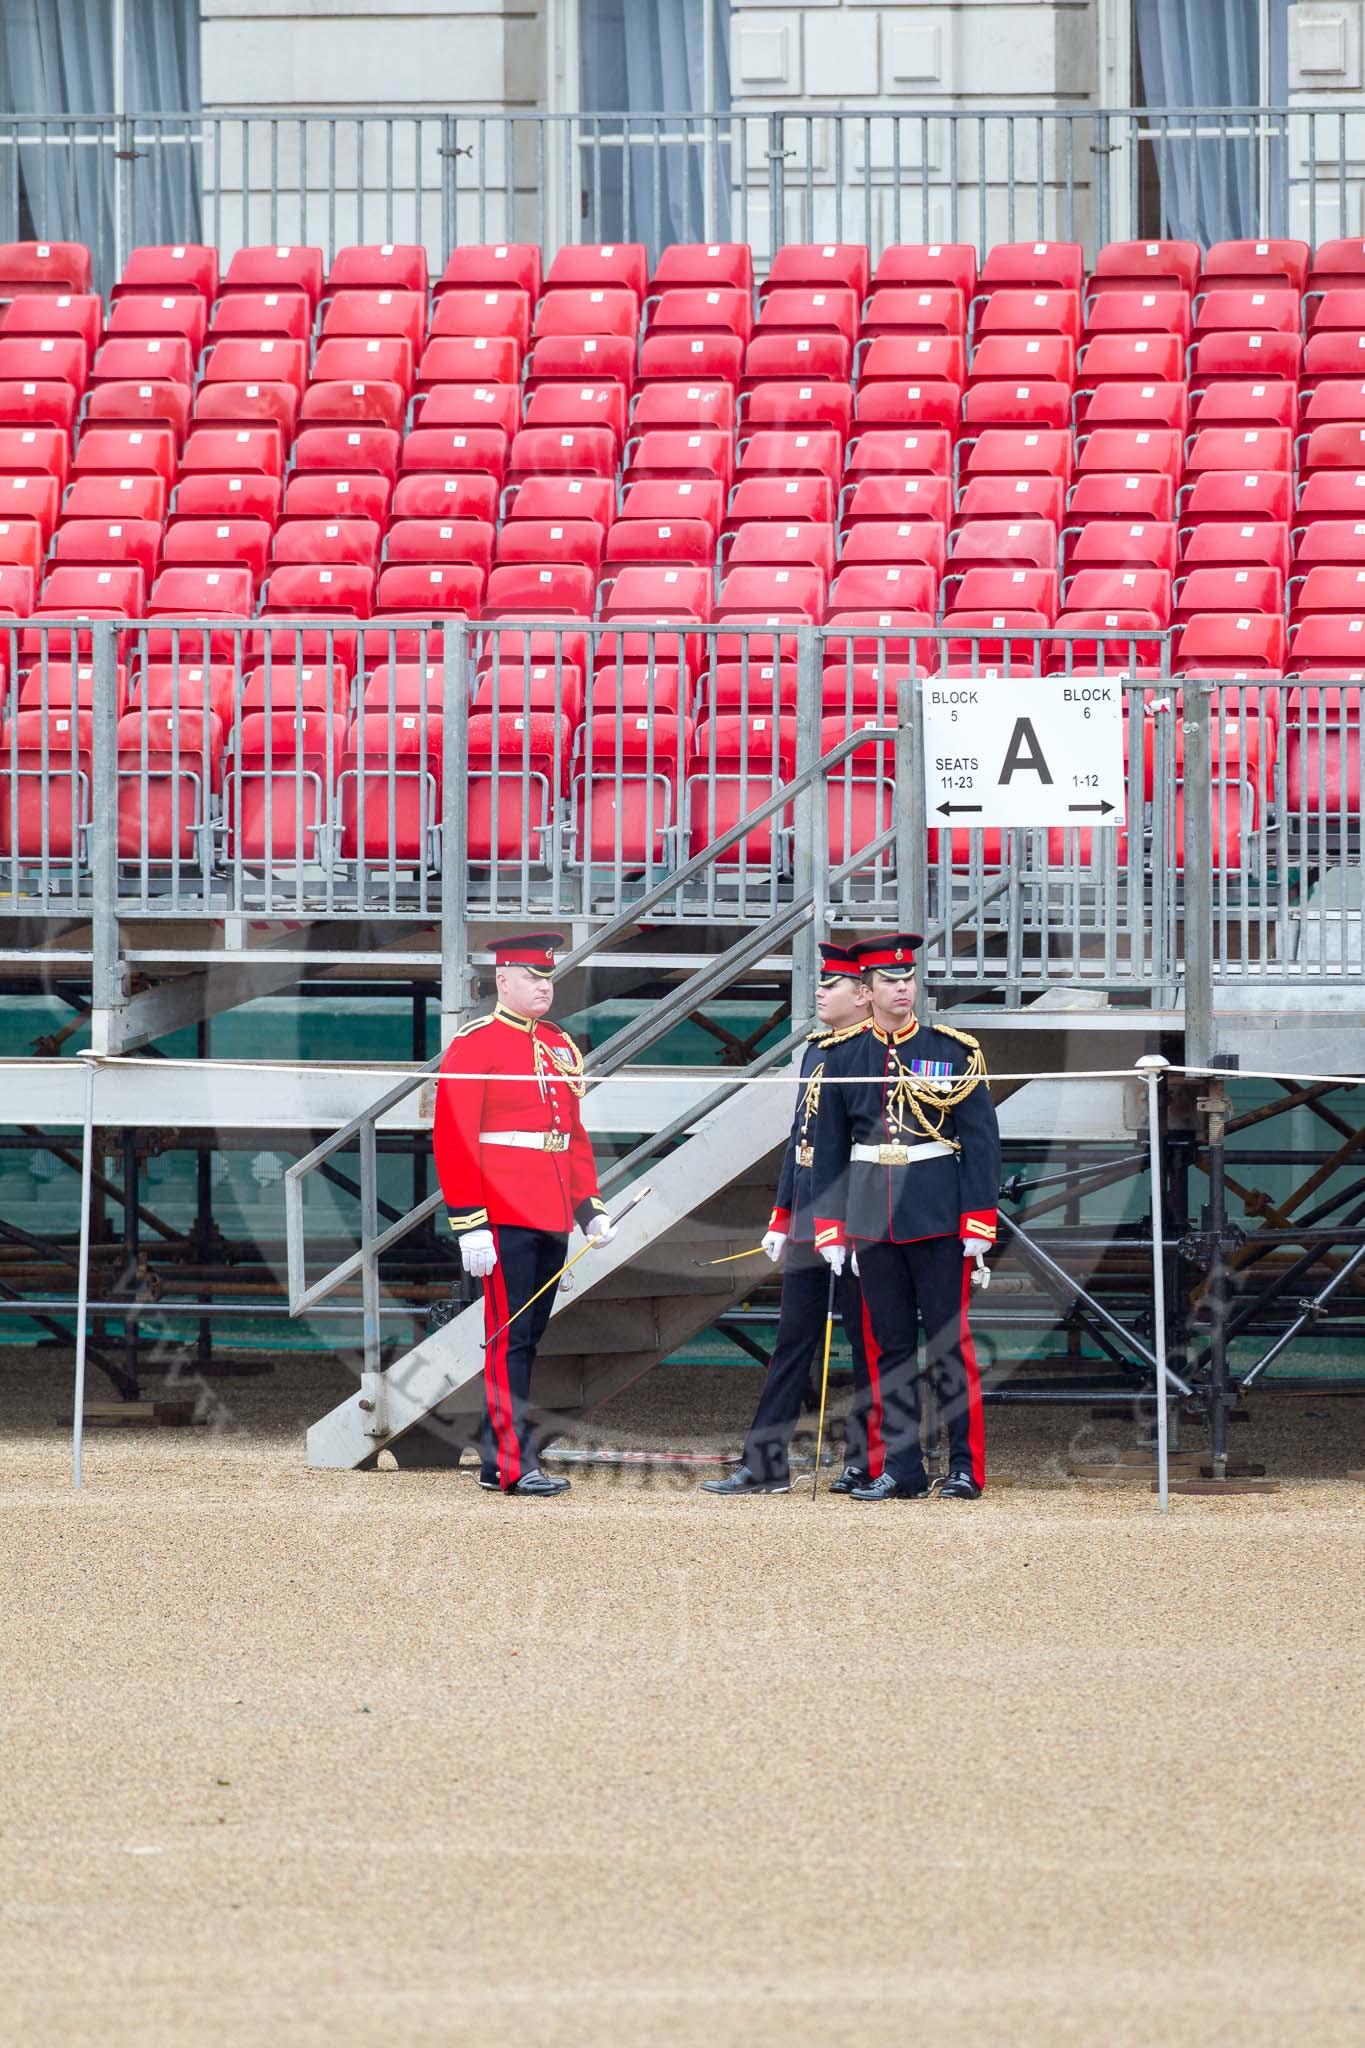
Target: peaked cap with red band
<point>893,954</point>
<point>838,960</point>
<point>535,950</point>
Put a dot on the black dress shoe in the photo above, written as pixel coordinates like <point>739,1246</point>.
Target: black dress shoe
<point>537,1485</point>
<point>888,1487</point>
<point>852,1477</point>
<point>489,1481</point>
<point>742,1480</point>
<point>959,1486</point>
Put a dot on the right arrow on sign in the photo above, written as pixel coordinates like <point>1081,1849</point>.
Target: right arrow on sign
<point>1104,809</point>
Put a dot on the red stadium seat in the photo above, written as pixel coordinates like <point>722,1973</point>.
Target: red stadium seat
<point>1250,262</point>
<point>328,540</point>
<point>45,776</point>
<point>423,495</point>
<point>1036,403</point>
<point>604,311</point>
<point>170,270</point>
<point>527,590</point>
<point>378,267</point>
<point>36,498</point>
<point>474,359</point>
<point>492,315</point>
<point>275,269</point>
<point>568,451</point>
<point>693,310</point>
<point>1256,352</point>
<point>1118,543</point>
<point>1004,544</point>
<point>345,588</point>
<point>492,266</point>
<point>124,450</point>
<point>225,451</point>
<point>754,497</point>
<point>1009,357</point>
<point>1136,405</point>
<point>1219,641</point>
<point>1157,313</point>
<point>590,265</point>
<point>50,358</point>
<point>546,541</point>
<point>1131,358</point>
<point>777,543</point>
<point>819,265</point>
<point>626,789</point>
<point>448,450</point>
<point>334,403</point>
<point>212,495</point>
<point>810,312</point>
<point>376,316</point>
<point>389,789</point>
<point>683,406</point>
<point>737,763</point>
<point>711,354</point>
<point>1037,265</point>
<point>1146,266</point>
<point>218,543</point>
<point>51,404</point>
<point>170,764</point>
<point>433,541</point>
<point>563,497</point>
<point>287,314</point>
<point>364,359</point>
<point>347,449</point>
<point>518,770</point>
<point>59,315</point>
<point>936,309</point>
<point>238,405</point>
<point>109,541</point>
<point>928,263</point>
<point>1014,497</point>
<point>1237,494</point>
<point>57,267</point>
<point>704,263</point>
<point>577,405</point>
<point>1223,588</point>
<point>1011,311</point>
<point>279,787</point>
<point>1241,309</point>
<point>472,405</point>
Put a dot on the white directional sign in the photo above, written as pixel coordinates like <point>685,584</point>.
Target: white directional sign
<point>1046,750</point>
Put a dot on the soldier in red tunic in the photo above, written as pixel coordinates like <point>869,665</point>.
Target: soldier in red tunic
<point>517,1173</point>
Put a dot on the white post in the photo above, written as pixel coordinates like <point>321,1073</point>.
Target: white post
<point>1152,1068</point>
<point>83,1283</point>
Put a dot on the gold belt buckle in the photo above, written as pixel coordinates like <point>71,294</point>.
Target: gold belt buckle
<point>556,1141</point>
<point>805,1155</point>
<point>894,1155</point>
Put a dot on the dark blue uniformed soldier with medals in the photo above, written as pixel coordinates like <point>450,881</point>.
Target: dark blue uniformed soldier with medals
<point>906,1179</point>
<point>843,1006</point>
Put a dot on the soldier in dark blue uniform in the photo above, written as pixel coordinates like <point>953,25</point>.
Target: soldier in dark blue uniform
<point>843,1005</point>
<point>907,1174</point>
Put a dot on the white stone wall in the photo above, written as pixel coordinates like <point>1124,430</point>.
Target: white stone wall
<point>269,180</point>
<point>906,179</point>
<point>1327,64</point>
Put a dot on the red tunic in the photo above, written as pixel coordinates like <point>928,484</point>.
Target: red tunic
<point>514,1075</point>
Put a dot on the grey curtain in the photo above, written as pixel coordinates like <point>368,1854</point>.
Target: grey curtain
<point>646,180</point>
<point>1205,55</point>
<point>61,181</point>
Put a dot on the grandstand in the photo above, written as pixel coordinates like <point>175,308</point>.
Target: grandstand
<point>363,598</point>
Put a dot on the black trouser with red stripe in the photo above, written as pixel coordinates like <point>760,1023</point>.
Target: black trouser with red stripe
<point>526,1260</point>
<point>799,1344</point>
<point>925,1285</point>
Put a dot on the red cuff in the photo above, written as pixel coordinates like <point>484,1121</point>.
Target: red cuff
<point>828,1231</point>
<point>978,1224</point>
<point>781,1219</point>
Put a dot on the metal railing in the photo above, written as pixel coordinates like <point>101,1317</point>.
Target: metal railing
<point>602,773</point>
<point>763,175</point>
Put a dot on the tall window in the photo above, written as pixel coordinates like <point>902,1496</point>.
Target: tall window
<point>68,69</point>
<point>1220,173</point>
<point>646,179</point>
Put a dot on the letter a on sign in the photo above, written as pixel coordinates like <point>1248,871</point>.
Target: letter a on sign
<point>1024,755</point>
<point>990,763</point>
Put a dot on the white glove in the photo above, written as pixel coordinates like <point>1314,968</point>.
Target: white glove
<point>972,1248</point>
<point>478,1253</point>
<point>599,1231</point>
<point>833,1256</point>
<point>856,1268</point>
<point>774,1244</point>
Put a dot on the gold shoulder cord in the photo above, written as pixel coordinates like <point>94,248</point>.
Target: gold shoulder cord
<point>560,1062</point>
<point>924,1104</point>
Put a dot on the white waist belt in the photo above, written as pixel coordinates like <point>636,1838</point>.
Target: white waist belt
<point>900,1155</point>
<point>528,1141</point>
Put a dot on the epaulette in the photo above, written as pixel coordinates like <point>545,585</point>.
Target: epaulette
<point>847,1031</point>
<point>962,1037</point>
<point>476,1025</point>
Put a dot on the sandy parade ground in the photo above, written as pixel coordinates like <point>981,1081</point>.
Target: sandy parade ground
<point>301,1758</point>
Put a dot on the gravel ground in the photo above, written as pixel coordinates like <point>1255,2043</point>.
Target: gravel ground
<point>319,1759</point>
